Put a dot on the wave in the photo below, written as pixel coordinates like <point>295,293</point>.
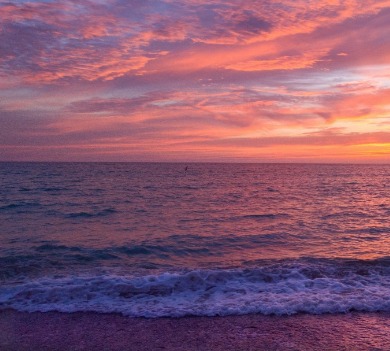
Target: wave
<point>51,189</point>
<point>83,214</point>
<point>265,216</point>
<point>18,205</point>
<point>49,256</point>
<point>283,288</point>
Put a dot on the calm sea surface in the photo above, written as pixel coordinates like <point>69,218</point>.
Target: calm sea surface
<point>155,239</point>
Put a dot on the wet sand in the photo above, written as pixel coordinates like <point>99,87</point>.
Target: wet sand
<point>52,331</point>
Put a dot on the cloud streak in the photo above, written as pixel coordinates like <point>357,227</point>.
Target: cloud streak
<point>195,80</point>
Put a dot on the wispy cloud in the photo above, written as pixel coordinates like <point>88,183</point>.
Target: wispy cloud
<point>171,80</point>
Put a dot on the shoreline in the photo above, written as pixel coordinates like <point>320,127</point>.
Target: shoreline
<point>357,331</point>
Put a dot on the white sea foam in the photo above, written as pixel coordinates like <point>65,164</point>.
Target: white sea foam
<point>279,289</point>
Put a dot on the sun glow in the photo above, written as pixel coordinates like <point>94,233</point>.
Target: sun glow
<point>284,80</point>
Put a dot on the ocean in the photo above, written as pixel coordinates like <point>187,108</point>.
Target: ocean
<point>174,240</point>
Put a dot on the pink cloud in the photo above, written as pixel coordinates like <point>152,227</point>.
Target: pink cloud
<point>195,76</point>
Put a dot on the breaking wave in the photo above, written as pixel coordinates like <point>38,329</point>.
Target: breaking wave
<point>282,288</point>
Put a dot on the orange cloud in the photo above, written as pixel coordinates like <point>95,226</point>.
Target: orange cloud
<point>211,79</point>
<point>281,63</point>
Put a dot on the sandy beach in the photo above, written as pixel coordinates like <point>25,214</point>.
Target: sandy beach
<point>21,331</point>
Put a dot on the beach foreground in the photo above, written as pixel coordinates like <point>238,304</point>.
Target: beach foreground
<point>92,331</point>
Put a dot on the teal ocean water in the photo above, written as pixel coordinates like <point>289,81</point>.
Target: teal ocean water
<point>160,239</point>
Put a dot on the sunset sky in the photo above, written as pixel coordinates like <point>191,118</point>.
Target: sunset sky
<point>195,80</point>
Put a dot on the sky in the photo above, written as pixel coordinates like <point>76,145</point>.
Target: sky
<point>195,80</point>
